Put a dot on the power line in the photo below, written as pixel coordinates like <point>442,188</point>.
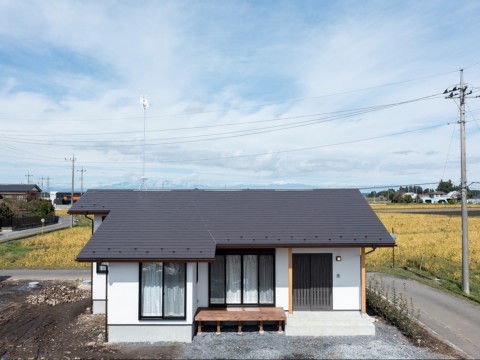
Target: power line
<point>238,133</point>
<point>290,150</point>
<point>249,106</point>
<point>354,111</point>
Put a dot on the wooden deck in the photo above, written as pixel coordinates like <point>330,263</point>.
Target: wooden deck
<point>240,314</point>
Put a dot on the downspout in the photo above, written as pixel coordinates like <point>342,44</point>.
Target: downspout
<point>91,221</point>
<point>91,272</point>
<point>106,304</point>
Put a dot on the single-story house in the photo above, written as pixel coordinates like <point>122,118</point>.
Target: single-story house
<point>160,258</point>
<point>27,192</point>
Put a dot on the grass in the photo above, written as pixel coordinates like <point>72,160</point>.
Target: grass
<point>431,245</point>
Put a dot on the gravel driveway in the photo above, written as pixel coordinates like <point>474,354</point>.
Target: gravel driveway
<point>387,344</point>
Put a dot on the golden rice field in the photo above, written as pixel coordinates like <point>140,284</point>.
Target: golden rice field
<point>422,237</point>
<point>53,250</point>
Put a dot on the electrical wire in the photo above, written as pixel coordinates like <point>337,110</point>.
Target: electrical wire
<point>249,106</point>
<point>293,150</point>
<point>217,136</point>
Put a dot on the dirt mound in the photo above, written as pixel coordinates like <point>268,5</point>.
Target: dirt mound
<point>58,294</point>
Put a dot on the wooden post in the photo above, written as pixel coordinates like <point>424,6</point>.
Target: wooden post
<point>218,327</point>
<point>261,327</point>
<point>199,327</point>
<point>290,282</point>
<point>363,280</point>
<point>393,252</point>
<point>239,327</point>
<point>280,326</point>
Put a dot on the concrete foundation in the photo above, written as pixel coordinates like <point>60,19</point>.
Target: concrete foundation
<point>329,323</point>
<point>150,333</point>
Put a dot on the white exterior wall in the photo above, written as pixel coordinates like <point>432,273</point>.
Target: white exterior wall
<point>346,292</point>
<point>281,278</point>
<point>98,280</point>
<point>202,286</point>
<point>123,304</point>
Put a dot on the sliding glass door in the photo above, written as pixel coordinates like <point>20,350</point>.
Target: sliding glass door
<point>243,278</point>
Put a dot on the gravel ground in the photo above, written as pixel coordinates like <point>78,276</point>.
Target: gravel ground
<point>388,343</point>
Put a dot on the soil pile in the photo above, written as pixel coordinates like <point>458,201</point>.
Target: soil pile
<point>58,294</point>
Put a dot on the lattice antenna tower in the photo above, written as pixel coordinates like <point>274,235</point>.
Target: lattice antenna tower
<point>145,104</point>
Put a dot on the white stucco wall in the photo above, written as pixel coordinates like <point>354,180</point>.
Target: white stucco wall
<point>346,292</point>
<point>98,291</point>
<point>281,278</point>
<point>202,286</point>
<point>123,304</point>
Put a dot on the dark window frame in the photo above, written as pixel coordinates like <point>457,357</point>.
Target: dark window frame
<point>140,302</point>
<point>242,252</point>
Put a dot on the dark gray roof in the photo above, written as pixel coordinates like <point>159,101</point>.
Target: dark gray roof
<point>191,224</point>
<point>18,187</point>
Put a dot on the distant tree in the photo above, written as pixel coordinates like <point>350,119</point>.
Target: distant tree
<point>408,199</point>
<point>5,212</point>
<point>45,207</point>
<point>447,186</point>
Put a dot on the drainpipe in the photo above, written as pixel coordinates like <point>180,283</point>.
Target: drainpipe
<point>91,272</point>
<point>90,220</point>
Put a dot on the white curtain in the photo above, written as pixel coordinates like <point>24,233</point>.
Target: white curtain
<point>174,289</point>
<point>234,279</point>
<point>265,275</point>
<point>250,279</point>
<point>152,289</point>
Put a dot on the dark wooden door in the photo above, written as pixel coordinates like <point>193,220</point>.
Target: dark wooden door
<point>312,282</point>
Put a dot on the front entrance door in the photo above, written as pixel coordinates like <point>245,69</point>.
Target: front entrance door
<point>312,282</point>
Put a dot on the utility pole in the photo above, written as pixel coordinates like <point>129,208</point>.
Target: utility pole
<point>459,93</point>
<point>81,180</point>
<point>28,177</point>
<point>72,159</point>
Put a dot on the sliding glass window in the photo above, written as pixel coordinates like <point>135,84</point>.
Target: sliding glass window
<point>162,290</point>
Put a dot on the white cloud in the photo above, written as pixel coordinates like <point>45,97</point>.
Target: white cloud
<point>80,68</point>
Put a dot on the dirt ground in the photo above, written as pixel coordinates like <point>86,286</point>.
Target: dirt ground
<point>54,321</point>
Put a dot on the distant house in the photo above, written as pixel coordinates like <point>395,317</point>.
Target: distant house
<point>27,192</point>
<point>164,261</point>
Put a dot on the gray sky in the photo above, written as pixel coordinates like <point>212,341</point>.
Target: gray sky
<point>242,93</point>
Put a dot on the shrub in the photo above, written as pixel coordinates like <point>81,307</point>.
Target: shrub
<point>394,307</point>
<point>5,212</point>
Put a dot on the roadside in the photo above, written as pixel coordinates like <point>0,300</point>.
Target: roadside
<point>44,274</point>
<point>64,221</point>
<point>453,319</point>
